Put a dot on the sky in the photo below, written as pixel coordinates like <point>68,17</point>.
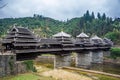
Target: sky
<point>58,9</point>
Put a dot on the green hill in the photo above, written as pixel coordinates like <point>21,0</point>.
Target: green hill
<point>45,26</point>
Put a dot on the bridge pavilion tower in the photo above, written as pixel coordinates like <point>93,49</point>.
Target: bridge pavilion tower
<point>16,45</point>
<point>20,40</point>
<point>84,57</point>
<point>97,55</point>
<point>64,38</point>
<point>63,59</point>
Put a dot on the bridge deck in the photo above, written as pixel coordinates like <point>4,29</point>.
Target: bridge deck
<point>58,49</point>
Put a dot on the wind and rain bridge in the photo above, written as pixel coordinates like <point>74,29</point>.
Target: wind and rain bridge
<point>21,44</point>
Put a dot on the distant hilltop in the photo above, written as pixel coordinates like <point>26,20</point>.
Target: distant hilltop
<point>45,26</point>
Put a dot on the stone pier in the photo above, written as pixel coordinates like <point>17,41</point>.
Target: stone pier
<point>7,63</point>
<point>84,59</point>
<point>97,56</point>
<point>106,53</point>
<point>62,60</point>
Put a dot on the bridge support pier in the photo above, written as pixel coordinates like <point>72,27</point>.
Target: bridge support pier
<point>106,53</point>
<point>97,56</point>
<point>7,63</point>
<point>62,60</point>
<point>83,59</point>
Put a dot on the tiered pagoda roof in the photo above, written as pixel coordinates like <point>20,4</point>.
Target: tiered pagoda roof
<point>64,38</point>
<point>83,40</point>
<point>97,41</point>
<point>108,42</point>
<point>20,37</point>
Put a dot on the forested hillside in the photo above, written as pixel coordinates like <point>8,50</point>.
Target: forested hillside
<point>45,26</point>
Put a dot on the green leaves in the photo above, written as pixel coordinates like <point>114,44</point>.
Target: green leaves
<point>115,52</point>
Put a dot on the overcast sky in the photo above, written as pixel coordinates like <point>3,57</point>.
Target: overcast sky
<point>58,9</point>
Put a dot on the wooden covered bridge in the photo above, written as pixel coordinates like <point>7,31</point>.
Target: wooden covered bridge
<point>25,45</point>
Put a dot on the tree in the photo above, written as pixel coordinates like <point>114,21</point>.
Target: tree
<point>87,16</point>
<point>114,36</point>
<point>98,16</point>
<point>104,16</point>
<point>93,16</point>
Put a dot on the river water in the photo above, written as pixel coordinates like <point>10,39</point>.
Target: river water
<point>107,67</point>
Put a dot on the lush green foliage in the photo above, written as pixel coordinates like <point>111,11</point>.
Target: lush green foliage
<point>46,27</point>
<point>114,36</point>
<point>29,65</point>
<point>115,52</point>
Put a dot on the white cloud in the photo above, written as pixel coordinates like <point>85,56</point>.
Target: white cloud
<point>58,9</point>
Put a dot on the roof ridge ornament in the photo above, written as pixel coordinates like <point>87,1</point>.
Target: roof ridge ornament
<point>62,34</point>
<point>82,35</point>
<point>15,27</point>
<point>96,37</point>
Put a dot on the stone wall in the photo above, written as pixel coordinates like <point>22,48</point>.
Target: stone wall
<point>9,66</point>
<point>20,67</point>
<point>106,53</point>
<point>97,56</point>
<point>7,63</point>
<point>62,60</point>
<point>84,59</point>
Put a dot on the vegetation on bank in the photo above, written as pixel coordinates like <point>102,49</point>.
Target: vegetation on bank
<point>30,65</point>
<point>115,52</point>
<point>114,36</point>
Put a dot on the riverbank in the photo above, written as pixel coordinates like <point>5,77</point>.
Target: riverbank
<point>94,75</point>
<point>46,72</point>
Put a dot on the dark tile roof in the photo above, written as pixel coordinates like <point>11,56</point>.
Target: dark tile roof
<point>20,38</point>
<point>25,44</point>
<point>21,29</point>
<point>49,41</point>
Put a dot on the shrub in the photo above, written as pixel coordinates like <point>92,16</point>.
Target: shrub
<point>30,65</point>
<point>115,52</point>
<point>114,36</point>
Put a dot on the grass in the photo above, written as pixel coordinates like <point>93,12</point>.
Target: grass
<point>26,76</point>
